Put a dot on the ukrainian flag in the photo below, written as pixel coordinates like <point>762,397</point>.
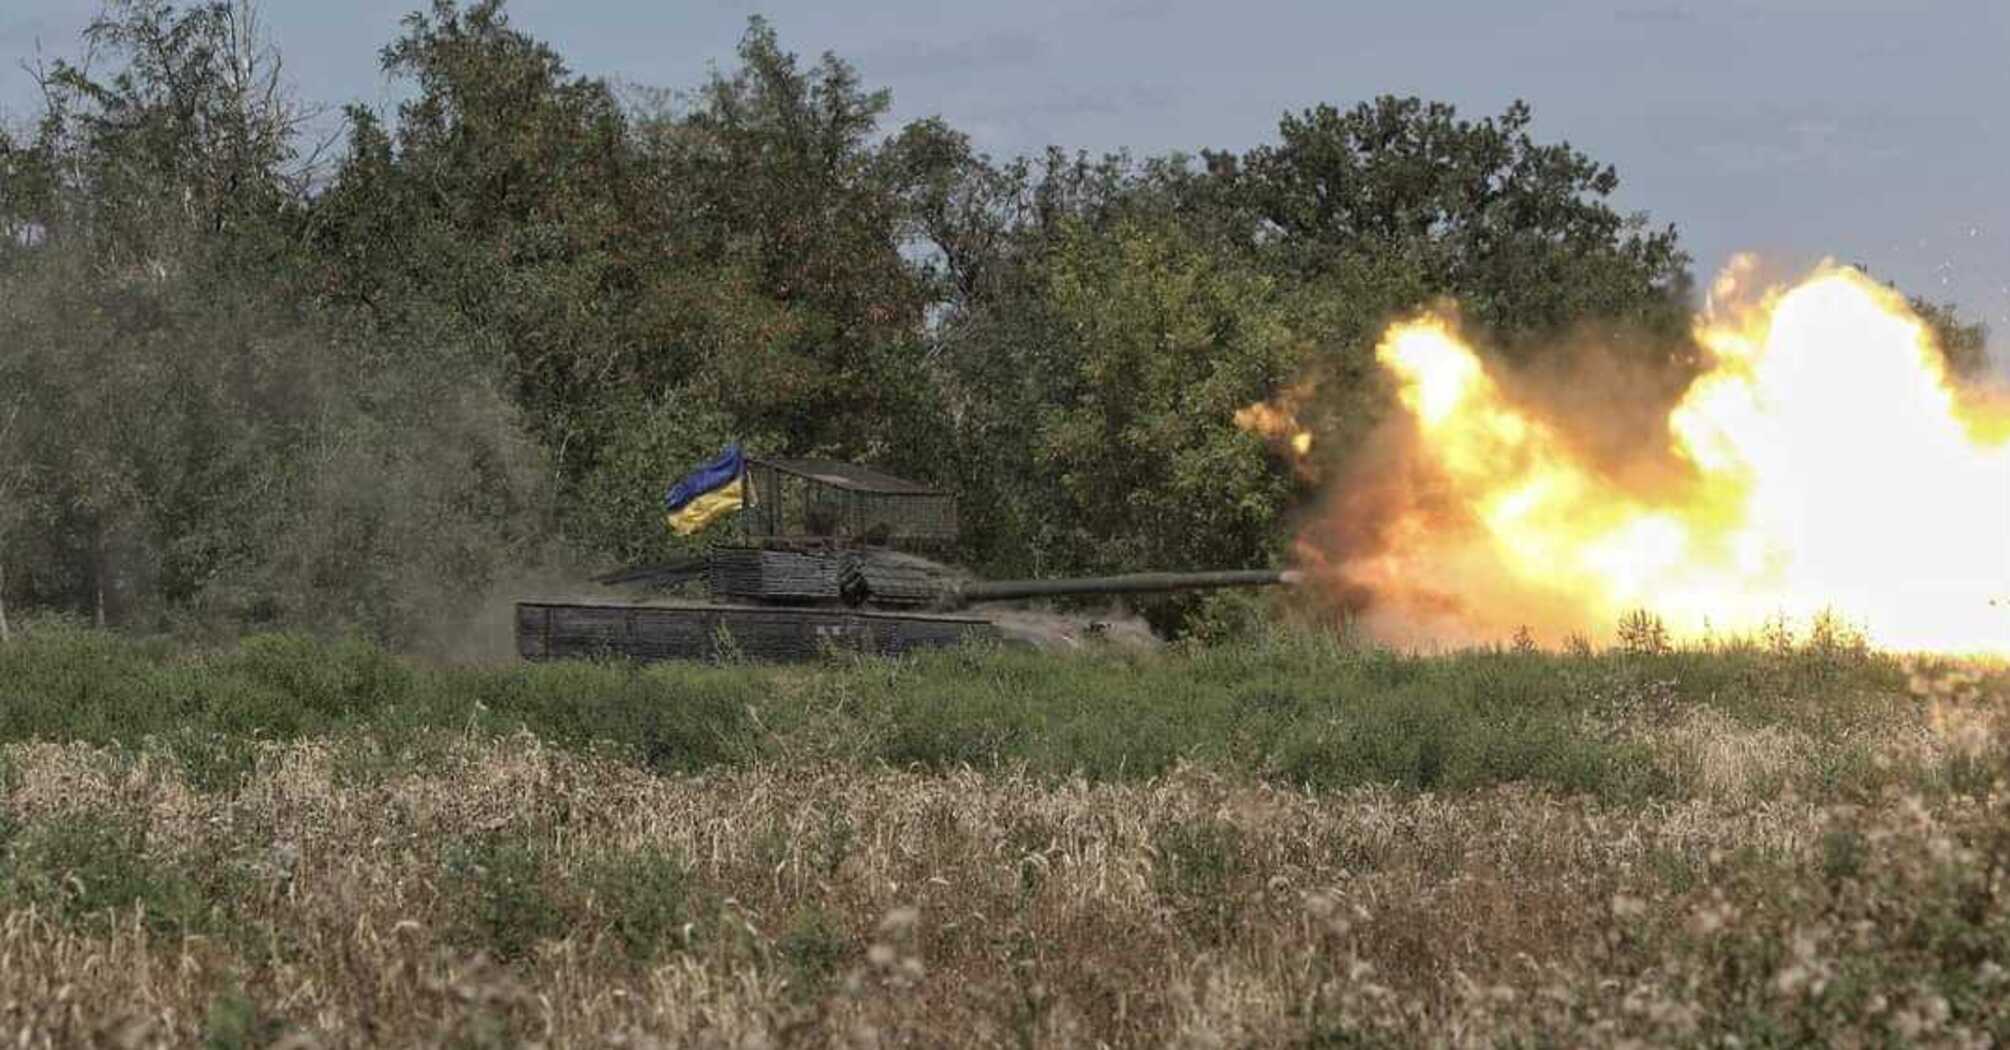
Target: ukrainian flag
<point>702,496</point>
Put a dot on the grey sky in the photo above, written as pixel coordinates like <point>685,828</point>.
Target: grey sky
<point>1864,129</point>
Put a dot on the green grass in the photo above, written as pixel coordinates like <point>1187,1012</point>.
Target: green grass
<point>96,869</point>
<point>506,897</point>
<point>1305,710</point>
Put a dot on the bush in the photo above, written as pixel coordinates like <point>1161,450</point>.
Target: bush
<point>644,898</point>
<point>1304,708</point>
<point>95,869</point>
<point>505,906</point>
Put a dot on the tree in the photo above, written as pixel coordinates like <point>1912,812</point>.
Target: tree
<point>810,322</point>
<point>643,279</point>
<point>1095,388</point>
<point>959,207</point>
<point>189,145</point>
<point>1963,345</point>
<point>255,455</point>
<point>522,304</point>
<point>141,192</point>
<point>1518,231</point>
<point>1160,342</point>
<point>495,212</point>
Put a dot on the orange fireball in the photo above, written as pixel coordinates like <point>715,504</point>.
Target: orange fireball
<point>1823,462</point>
<point>1277,422</point>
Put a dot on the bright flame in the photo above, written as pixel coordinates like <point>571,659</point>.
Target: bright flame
<point>1277,422</point>
<point>1823,464</point>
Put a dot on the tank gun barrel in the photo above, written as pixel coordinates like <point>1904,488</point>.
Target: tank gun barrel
<point>1129,583</point>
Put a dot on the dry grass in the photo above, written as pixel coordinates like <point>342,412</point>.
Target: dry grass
<point>513,893</point>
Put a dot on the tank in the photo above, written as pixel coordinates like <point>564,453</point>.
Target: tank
<point>824,556</point>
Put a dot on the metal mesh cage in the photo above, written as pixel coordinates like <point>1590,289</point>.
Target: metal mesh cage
<point>818,498</point>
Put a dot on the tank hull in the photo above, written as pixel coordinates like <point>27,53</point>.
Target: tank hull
<point>647,632</point>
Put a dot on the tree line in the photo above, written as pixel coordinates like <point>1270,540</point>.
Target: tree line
<point>244,384</point>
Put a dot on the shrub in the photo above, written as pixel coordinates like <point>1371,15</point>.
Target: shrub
<point>95,869</point>
<point>645,899</point>
<point>505,907</point>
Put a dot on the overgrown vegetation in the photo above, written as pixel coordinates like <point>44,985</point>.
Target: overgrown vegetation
<point>355,389</point>
<point>279,420</point>
<point>1801,870</point>
<point>1298,708</point>
<point>1291,839</point>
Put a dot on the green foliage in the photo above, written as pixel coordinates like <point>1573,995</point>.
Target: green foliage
<point>353,397</point>
<point>1104,438</point>
<point>670,718</point>
<point>1198,865</point>
<point>256,459</point>
<point>235,1022</point>
<point>182,154</point>
<point>332,682</point>
<point>217,762</point>
<point>812,949</point>
<point>1306,710</point>
<point>646,896</point>
<point>793,206</point>
<point>91,869</point>
<point>505,904</point>
<point>1517,230</point>
<point>492,213</point>
<point>619,508</point>
<point>1158,344</point>
<point>523,210</point>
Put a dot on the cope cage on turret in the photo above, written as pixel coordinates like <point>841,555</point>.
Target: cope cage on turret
<point>821,499</point>
<point>816,531</point>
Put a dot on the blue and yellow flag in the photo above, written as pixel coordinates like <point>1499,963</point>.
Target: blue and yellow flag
<point>700,497</point>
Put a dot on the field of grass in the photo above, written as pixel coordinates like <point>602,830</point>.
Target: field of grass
<point>1292,841</point>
